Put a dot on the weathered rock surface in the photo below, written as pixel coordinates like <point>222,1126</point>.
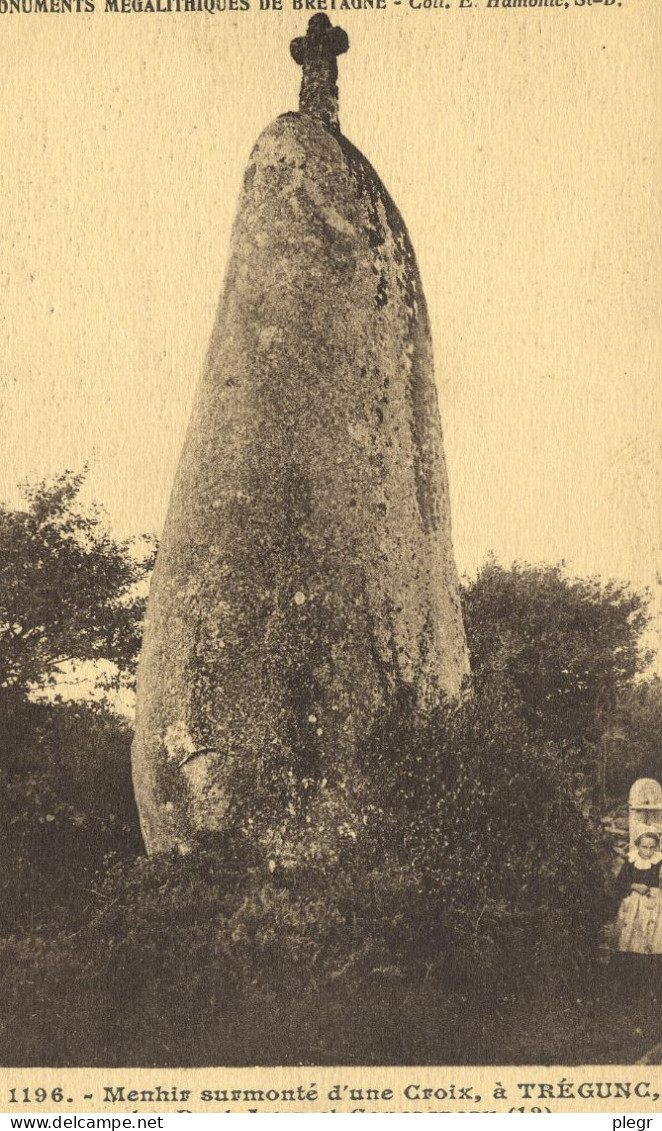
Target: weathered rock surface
<point>306,570</point>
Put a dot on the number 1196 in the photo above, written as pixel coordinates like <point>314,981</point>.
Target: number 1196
<point>35,1095</point>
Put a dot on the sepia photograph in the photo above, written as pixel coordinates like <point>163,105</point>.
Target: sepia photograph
<point>330,538</point>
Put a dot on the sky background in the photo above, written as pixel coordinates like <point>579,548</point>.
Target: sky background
<point>523,149</point>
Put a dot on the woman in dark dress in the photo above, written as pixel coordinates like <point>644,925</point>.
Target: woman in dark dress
<point>639,921</point>
<point>638,888</point>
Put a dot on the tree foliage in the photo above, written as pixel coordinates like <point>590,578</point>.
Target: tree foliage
<point>69,591</point>
<point>569,649</point>
<point>634,744</point>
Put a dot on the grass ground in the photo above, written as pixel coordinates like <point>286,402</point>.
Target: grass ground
<point>610,1022</point>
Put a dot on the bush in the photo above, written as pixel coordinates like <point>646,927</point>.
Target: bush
<point>66,806</point>
<point>489,816</point>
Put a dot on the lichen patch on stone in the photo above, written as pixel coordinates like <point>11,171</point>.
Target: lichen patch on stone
<point>178,742</point>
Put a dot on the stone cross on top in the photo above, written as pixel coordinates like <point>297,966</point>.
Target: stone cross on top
<point>316,52</point>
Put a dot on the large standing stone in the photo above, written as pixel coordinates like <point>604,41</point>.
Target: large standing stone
<point>306,571</point>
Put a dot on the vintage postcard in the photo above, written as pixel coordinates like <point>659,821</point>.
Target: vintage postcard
<point>330,556</point>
